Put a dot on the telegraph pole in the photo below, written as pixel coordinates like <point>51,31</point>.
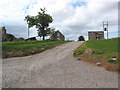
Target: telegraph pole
<point>105,28</point>
<point>28,31</point>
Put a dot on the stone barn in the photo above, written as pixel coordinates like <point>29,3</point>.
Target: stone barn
<point>96,35</point>
<point>57,36</point>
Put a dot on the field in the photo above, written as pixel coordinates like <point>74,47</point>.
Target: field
<point>24,48</point>
<point>104,50</point>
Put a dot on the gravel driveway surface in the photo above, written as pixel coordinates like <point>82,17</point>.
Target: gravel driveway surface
<point>55,68</point>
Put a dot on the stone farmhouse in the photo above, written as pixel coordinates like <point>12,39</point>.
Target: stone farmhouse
<point>6,36</point>
<point>96,35</point>
<point>57,36</point>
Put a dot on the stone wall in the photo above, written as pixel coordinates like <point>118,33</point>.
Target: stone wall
<point>57,36</point>
<point>98,35</point>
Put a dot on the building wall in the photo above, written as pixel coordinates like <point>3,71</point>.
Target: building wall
<point>92,36</point>
<point>96,35</point>
<point>57,36</point>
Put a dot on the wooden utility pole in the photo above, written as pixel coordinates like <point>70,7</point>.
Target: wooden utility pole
<point>28,31</point>
<point>105,28</point>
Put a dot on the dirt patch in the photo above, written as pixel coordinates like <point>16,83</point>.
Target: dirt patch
<point>107,66</point>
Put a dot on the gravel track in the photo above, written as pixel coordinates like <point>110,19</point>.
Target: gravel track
<point>55,68</point>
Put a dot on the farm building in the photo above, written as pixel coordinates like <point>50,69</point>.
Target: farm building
<point>6,36</point>
<point>57,36</point>
<point>95,35</point>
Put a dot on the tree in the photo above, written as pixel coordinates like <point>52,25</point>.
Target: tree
<point>41,21</point>
<point>47,32</point>
<point>81,38</point>
<point>20,39</point>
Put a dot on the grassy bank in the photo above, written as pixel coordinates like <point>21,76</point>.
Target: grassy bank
<point>104,50</point>
<point>24,48</point>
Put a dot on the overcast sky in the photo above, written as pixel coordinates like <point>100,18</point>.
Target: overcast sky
<point>72,17</point>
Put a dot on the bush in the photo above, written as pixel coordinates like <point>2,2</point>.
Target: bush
<point>76,53</point>
<point>20,39</point>
<point>112,61</point>
<point>81,38</point>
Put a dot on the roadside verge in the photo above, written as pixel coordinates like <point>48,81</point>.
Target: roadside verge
<point>25,48</point>
<point>103,53</point>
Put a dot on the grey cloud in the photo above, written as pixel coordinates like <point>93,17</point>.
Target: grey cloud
<point>68,20</point>
<point>18,31</point>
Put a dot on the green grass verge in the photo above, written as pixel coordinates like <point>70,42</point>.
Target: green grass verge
<point>24,48</point>
<point>104,50</point>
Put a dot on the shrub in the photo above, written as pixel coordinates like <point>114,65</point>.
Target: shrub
<point>20,39</point>
<point>112,61</point>
<point>76,53</point>
<point>81,38</point>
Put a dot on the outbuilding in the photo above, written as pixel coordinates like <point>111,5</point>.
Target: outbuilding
<point>57,36</point>
<point>96,35</point>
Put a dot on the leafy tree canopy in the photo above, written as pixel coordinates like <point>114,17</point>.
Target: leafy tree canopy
<point>81,38</point>
<point>41,21</point>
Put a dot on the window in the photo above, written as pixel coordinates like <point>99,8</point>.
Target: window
<point>98,37</point>
<point>58,38</point>
<point>58,34</point>
<point>2,32</point>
